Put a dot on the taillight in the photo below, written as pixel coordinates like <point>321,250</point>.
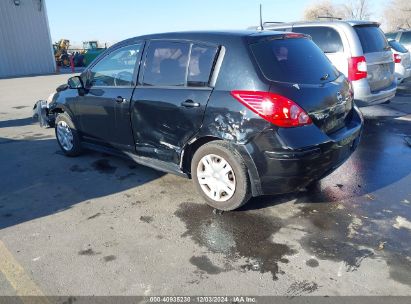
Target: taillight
<point>397,58</point>
<point>274,108</point>
<point>357,68</point>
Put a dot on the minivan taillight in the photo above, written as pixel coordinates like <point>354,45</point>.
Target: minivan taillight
<point>397,58</point>
<point>277,109</point>
<point>357,68</point>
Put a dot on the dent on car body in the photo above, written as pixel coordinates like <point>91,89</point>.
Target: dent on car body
<point>231,126</point>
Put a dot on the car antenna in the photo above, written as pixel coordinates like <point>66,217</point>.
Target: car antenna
<point>261,18</point>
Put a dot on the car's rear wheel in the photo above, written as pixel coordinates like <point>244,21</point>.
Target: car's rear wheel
<point>220,176</point>
<point>67,135</point>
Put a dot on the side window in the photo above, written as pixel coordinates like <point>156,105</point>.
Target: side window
<point>200,66</point>
<point>326,38</point>
<point>405,38</point>
<point>166,64</point>
<point>117,68</point>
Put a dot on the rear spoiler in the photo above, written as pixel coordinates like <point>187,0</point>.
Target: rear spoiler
<point>280,36</point>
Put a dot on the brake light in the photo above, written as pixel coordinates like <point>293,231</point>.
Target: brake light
<point>357,68</point>
<point>294,36</point>
<point>274,108</point>
<point>397,58</point>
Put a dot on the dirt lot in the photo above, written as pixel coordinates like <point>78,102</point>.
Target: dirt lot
<point>99,225</point>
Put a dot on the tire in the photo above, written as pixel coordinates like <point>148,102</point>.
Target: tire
<point>71,146</point>
<point>217,155</point>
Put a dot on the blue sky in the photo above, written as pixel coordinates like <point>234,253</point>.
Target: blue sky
<point>111,21</point>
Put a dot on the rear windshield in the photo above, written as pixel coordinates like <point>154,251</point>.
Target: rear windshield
<point>293,60</point>
<point>397,46</point>
<point>372,39</point>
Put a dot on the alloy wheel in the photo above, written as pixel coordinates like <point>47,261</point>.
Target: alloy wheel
<point>65,135</point>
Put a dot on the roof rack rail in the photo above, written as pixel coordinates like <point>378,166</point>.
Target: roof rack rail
<point>329,17</point>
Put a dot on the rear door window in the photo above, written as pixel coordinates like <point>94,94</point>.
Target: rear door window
<point>293,60</point>
<point>166,63</point>
<point>201,64</point>
<point>372,38</point>
<point>405,38</point>
<point>326,38</point>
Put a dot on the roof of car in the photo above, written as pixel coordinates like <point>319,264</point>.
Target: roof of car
<point>207,36</point>
<point>328,22</point>
<point>216,34</point>
<point>399,30</point>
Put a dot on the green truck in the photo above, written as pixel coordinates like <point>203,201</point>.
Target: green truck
<point>91,51</point>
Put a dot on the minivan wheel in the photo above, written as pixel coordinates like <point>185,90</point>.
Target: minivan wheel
<point>220,176</point>
<point>67,135</point>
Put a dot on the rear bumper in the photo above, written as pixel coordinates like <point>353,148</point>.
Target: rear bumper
<point>364,97</point>
<point>288,169</point>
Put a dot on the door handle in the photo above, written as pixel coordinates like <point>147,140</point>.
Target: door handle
<point>120,99</point>
<point>190,104</point>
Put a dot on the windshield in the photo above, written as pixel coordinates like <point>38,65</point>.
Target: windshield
<point>293,60</point>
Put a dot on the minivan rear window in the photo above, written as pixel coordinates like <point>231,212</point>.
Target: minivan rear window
<point>325,37</point>
<point>293,60</point>
<point>397,46</point>
<point>372,38</point>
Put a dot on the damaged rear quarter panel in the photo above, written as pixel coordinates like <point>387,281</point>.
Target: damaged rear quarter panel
<point>225,117</point>
<point>229,120</point>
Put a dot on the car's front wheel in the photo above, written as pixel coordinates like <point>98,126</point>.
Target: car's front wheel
<point>67,135</point>
<point>220,176</point>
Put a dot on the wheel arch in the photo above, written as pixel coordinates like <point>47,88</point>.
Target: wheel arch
<point>189,150</point>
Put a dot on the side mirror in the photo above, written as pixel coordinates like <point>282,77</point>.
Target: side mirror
<point>75,82</point>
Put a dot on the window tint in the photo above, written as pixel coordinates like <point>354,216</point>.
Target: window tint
<point>405,38</point>
<point>372,39</point>
<point>326,38</point>
<point>166,64</point>
<point>391,35</point>
<point>397,46</point>
<point>294,60</point>
<point>200,66</point>
<point>117,68</point>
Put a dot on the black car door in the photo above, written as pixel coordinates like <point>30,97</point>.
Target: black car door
<point>104,108</point>
<point>169,103</point>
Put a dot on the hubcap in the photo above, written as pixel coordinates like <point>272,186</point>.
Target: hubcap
<point>216,177</point>
<point>64,135</point>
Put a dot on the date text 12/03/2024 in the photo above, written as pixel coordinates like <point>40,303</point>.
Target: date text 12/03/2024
<point>202,299</point>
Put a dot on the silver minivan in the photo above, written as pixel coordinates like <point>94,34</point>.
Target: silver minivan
<point>358,49</point>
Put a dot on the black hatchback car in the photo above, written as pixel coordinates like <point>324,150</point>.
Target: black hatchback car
<point>242,113</point>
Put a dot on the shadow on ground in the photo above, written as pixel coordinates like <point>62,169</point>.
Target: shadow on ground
<point>38,180</point>
<point>16,122</point>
